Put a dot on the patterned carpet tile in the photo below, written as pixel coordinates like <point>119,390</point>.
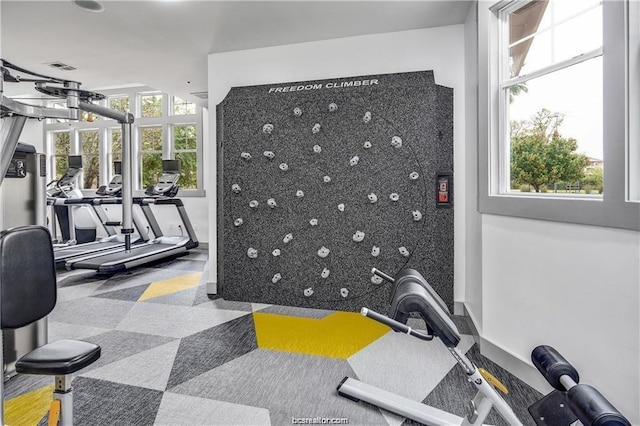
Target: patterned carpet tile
<point>212,348</point>
<point>288,385</point>
<point>91,311</point>
<point>297,312</point>
<point>130,294</point>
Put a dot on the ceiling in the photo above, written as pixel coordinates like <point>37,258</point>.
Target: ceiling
<point>164,44</point>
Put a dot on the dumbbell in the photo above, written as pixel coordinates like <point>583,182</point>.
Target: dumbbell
<point>589,405</point>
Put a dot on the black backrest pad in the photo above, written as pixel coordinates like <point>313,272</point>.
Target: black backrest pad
<point>412,294</point>
<point>27,276</point>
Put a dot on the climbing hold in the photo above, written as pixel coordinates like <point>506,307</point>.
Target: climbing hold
<point>276,278</point>
<point>403,251</point>
<point>323,252</point>
<point>267,128</point>
<point>326,179</point>
<point>236,188</point>
<point>416,215</point>
<point>252,253</point>
<point>367,117</point>
<point>276,252</point>
<point>316,128</point>
<point>317,149</point>
<point>284,167</point>
<point>376,279</point>
<point>372,198</point>
<point>313,222</point>
<point>358,236</point>
<point>325,273</point>
<point>367,144</point>
<point>414,175</point>
<point>375,251</point>
<point>299,193</point>
<point>245,156</point>
<point>272,203</point>
<point>269,154</point>
<point>308,292</point>
<point>394,197</point>
<point>396,142</point>
<point>341,207</point>
<point>333,107</point>
<point>354,160</point>
<point>297,111</point>
<point>344,292</point>
<point>238,222</point>
<point>287,238</point>
<point>253,204</point>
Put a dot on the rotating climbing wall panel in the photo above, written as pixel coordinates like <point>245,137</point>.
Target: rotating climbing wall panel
<point>320,181</point>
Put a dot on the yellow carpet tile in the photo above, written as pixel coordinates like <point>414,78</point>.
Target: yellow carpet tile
<point>338,335</point>
<point>28,409</point>
<point>172,285</point>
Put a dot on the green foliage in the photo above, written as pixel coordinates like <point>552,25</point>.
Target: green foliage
<point>151,169</point>
<point>525,188</point>
<point>541,156</point>
<point>594,179</point>
<point>186,143</point>
<point>120,103</point>
<point>62,148</point>
<point>151,106</point>
<point>90,144</point>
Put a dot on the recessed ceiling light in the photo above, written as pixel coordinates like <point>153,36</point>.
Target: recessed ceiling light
<point>90,5</point>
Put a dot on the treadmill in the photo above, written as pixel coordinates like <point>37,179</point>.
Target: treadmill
<point>109,194</point>
<point>161,247</point>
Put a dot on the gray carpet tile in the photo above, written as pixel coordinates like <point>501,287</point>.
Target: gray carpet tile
<point>190,410</point>
<point>225,305</point>
<point>78,291</point>
<point>182,265</point>
<point>61,330</point>
<point>454,391</point>
<point>211,348</point>
<point>136,277</point>
<point>119,404</point>
<point>23,383</point>
<point>289,385</point>
<point>462,323</point>
<point>91,311</point>
<point>297,311</point>
<point>173,321</point>
<point>201,293</point>
<point>130,294</point>
<point>117,345</point>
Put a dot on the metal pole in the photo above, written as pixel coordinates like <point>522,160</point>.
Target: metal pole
<point>106,112</point>
<point>9,134</point>
<point>127,184</point>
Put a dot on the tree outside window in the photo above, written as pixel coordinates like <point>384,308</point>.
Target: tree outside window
<point>150,155</point>
<point>151,105</point>
<point>182,107</point>
<point>115,150</point>
<point>185,144</point>
<point>90,146</point>
<point>61,151</point>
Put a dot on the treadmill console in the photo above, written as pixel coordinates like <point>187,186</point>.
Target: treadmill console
<point>167,185</point>
<point>114,189</point>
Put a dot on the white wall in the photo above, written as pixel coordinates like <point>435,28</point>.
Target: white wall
<point>573,287</point>
<point>439,49</point>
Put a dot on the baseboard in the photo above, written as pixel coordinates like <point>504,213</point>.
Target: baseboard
<point>520,368</point>
<point>212,287</point>
<point>203,245</point>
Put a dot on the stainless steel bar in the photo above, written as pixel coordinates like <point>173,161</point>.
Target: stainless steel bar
<point>9,135</point>
<point>121,117</point>
<point>127,184</point>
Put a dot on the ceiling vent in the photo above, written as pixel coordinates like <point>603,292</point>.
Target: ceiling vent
<point>201,95</point>
<point>61,66</point>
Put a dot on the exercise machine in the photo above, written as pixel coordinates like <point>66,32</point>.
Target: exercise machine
<point>77,224</point>
<point>161,246</point>
<point>412,294</point>
<point>571,400</point>
<point>114,188</point>
<point>27,271</point>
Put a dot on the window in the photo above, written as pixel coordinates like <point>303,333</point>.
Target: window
<point>554,104</point>
<point>61,149</point>
<point>185,145</point>
<point>165,127</point>
<point>57,105</point>
<point>90,148</point>
<point>551,97</point>
<point>150,155</point>
<point>182,107</point>
<point>151,105</point>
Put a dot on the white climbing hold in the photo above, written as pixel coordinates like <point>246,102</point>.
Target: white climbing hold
<point>297,111</point>
<point>299,193</point>
<point>267,128</point>
<point>376,279</point>
<point>358,236</point>
<point>396,142</point>
<point>416,215</point>
<point>245,156</point>
<point>276,278</point>
<point>354,160</point>
<point>333,107</point>
<point>325,273</point>
<point>313,222</point>
<point>284,167</point>
<point>394,197</point>
<point>323,252</point>
<point>276,252</point>
<point>326,179</point>
<point>252,253</point>
<point>317,149</point>
<point>375,251</point>
<point>308,292</point>
<point>367,117</point>
<point>414,175</point>
<point>373,198</point>
<point>341,207</point>
<point>271,202</point>
<point>403,251</point>
<point>253,204</point>
<point>344,292</point>
<point>367,144</point>
<point>238,222</point>
<point>269,154</point>
<point>287,238</point>
<point>236,188</point>
<point>316,128</point>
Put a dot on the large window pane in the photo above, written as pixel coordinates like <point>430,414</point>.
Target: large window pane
<point>185,137</point>
<point>188,169</point>
<point>182,107</point>
<point>90,145</point>
<point>151,168</point>
<point>115,151</point>
<point>151,105</point>
<point>61,149</point>
<point>119,103</point>
<point>556,131</point>
<point>151,138</point>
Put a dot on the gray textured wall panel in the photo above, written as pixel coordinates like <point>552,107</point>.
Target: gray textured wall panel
<point>408,105</point>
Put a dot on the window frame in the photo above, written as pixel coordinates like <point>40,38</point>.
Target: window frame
<point>614,208</point>
<point>105,127</point>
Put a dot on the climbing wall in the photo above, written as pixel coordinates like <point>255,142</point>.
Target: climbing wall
<point>320,181</point>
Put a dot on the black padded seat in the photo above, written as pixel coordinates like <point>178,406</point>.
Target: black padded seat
<point>58,358</point>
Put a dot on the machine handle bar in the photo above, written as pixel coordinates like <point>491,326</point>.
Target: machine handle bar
<point>394,325</point>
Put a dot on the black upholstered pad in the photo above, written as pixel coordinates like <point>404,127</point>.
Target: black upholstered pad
<point>27,275</point>
<point>57,358</point>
